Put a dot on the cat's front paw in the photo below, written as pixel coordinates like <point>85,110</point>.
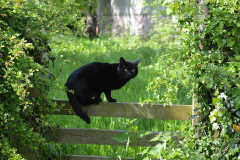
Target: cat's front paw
<point>112,100</point>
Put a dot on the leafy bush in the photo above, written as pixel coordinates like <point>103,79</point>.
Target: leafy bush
<point>212,71</point>
<point>25,30</point>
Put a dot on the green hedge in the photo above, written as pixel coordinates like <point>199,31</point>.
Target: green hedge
<point>25,31</point>
<point>212,72</point>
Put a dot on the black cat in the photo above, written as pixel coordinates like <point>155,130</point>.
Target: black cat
<point>94,78</point>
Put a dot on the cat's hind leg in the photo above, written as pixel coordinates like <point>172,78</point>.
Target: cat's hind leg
<point>88,101</point>
<point>98,98</point>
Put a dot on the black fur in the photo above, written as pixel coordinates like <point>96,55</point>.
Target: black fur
<point>94,78</point>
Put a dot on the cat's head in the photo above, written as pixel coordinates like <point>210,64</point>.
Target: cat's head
<point>128,69</point>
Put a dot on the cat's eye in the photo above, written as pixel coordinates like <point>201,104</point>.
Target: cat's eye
<point>125,70</point>
<point>133,70</point>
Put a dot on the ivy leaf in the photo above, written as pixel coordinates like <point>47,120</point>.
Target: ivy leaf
<point>212,118</point>
<point>237,102</point>
<point>238,113</point>
<point>215,126</point>
<point>215,101</point>
<point>236,47</point>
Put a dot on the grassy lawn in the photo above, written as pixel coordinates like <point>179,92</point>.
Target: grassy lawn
<point>76,52</point>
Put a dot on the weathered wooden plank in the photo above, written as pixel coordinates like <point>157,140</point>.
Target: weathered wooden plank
<point>130,110</point>
<point>98,136</point>
<point>82,157</point>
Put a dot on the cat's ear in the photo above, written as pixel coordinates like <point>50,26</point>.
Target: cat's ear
<point>122,61</point>
<point>137,61</point>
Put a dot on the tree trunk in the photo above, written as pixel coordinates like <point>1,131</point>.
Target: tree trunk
<point>91,23</point>
<point>202,8</point>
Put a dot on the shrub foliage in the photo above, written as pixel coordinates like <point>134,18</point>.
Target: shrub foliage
<point>25,82</point>
<point>212,71</point>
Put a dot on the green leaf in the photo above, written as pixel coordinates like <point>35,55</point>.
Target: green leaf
<point>220,42</point>
<point>173,155</point>
<point>142,157</point>
<point>122,137</point>
<point>229,41</point>
<point>237,102</point>
<point>140,134</point>
<point>215,126</point>
<point>134,128</point>
<point>212,118</point>
<point>168,10</point>
<point>145,151</point>
<point>157,137</point>
<point>194,154</point>
<point>166,136</point>
<point>238,113</point>
<point>236,46</point>
<point>155,150</point>
<point>215,101</point>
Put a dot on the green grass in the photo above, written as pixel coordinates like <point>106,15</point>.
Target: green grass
<point>76,52</point>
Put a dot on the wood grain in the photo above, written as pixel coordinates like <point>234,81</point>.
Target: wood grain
<point>98,136</point>
<point>130,110</point>
<point>82,157</point>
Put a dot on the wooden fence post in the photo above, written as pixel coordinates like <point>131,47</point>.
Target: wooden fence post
<point>194,105</point>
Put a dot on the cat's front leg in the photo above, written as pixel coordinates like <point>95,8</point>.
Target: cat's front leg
<point>108,95</point>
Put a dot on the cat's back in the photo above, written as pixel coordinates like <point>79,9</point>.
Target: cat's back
<point>95,71</point>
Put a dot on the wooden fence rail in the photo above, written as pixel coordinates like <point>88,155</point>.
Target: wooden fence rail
<point>106,109</point>
<point>130,110</point>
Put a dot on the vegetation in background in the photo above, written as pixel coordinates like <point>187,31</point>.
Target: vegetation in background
<point>174,69</point>
<point>212,72</point>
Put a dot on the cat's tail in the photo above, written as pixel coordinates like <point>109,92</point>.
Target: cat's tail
<point>77,108</point>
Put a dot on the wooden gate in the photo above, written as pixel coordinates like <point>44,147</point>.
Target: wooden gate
<point>103,136</point>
